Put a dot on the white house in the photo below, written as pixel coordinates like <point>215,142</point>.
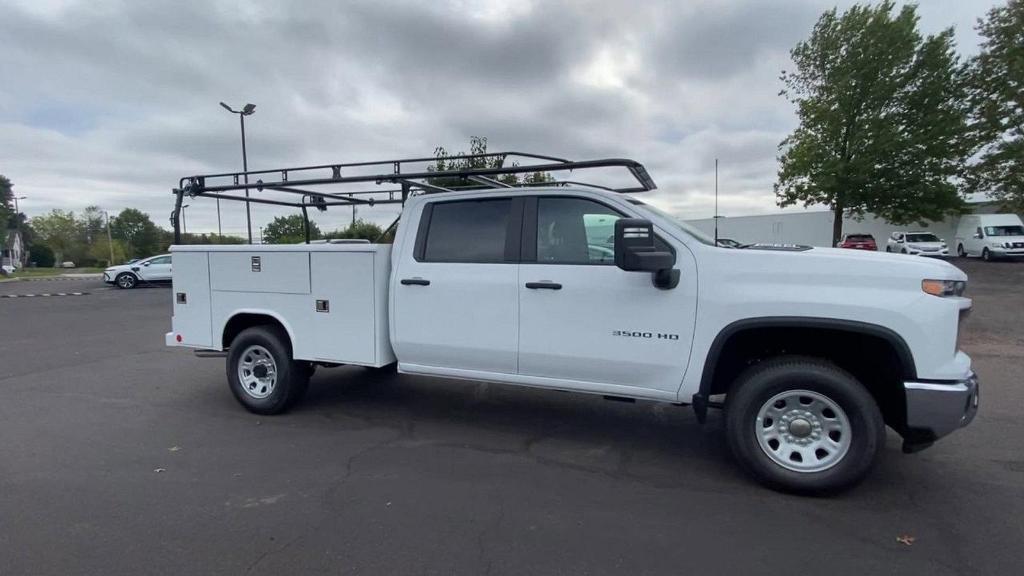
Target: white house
<point>12,249</point>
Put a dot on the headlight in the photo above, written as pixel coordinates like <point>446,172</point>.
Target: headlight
<point>944,288</point>
<point>996,244</point>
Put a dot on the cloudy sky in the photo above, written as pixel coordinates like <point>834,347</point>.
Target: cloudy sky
<point>110,102</point>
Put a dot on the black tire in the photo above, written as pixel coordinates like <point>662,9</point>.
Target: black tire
<point>762,382</point>
<point>986,255</point>
<point>960,251</point>
<point>904,251</point>
<point>888,249</point>
<point>126,281</point>
<point>291,377</point>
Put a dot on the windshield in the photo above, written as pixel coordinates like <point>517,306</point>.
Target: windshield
<point>1004,230</point>
<point>691,230</point>
<point>860,238</point>
<point>922,238</point>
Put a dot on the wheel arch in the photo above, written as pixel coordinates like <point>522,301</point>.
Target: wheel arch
<point>242,319</point>
<point>715,377</point>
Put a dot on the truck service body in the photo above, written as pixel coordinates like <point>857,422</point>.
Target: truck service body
<point>809,350</point>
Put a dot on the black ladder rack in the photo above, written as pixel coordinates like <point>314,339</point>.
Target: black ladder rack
<point>411,175</point>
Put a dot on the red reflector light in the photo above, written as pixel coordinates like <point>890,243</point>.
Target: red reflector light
<point>178,337</point>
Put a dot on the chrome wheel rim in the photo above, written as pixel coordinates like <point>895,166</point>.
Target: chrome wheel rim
<point>126,281</point>
<point>257,372</point>
<point>803,431</point>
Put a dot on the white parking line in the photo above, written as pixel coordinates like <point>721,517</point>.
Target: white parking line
<point>43,295</point>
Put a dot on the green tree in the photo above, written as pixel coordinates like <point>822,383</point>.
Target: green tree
<point>6,203</point>
<point>883,119</point>
<point>289,230</point>
<point>58,230</point>
<point>99,251</point>
<point>41,254</point>
<point>478,145</point>
<point>137,231</point>
<point>360,229</point>
<point>997,99</point>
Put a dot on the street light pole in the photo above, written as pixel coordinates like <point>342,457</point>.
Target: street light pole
<point>246,110</point>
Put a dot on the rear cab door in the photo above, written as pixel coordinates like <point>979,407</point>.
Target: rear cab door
<point>454,293</point>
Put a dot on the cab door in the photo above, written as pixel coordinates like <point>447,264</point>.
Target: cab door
<point>455,297</point>
<point>584,321</point>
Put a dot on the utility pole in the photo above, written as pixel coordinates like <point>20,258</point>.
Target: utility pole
<point>17,226</point>
<point>716,201</point>
<point>110,238</point>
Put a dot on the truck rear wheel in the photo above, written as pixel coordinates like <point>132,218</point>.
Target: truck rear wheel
<point>261,372</point>
<point>803,425</point>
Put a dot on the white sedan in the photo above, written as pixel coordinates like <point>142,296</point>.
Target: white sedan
<point>149,270</point>
<point>917,243</point>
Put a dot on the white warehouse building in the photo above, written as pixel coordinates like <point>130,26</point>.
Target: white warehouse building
<point>814,227</point>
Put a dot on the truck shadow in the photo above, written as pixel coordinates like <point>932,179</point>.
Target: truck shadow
<point>650,441</point>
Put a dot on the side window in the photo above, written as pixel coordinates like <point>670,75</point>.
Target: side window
<point>978,232</point>
<point>575,231</point>
<point>468,231</point>
<point>161,260</point>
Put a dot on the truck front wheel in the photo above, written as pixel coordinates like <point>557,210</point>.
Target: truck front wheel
<point>261,372</point>
<point>803,425</point>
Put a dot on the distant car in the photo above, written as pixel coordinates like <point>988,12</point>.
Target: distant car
<point>917,244</point>
<point>858,242</point>
<point>150,270</point>
<point>6,270</point>
<point>729,243</point>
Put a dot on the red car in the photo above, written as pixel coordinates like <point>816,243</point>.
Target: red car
<point>858,242</point>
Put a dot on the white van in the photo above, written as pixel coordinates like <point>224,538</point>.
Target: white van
<point>990,236</point>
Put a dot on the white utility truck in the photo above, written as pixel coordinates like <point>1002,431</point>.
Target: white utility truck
<point>582,287</point>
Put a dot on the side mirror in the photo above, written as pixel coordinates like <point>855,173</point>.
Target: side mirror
<point>978,236</point>
<point>146,264</point>
<point>635,252</point>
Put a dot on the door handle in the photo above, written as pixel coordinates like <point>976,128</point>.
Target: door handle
<point>415,282</point>
<point>545,285</point>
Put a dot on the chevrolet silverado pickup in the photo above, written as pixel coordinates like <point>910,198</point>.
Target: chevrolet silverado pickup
<point>811,352</point>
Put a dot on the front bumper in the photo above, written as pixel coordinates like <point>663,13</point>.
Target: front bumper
<point>936,253</point>
<point>937,409</point>
<point>108,277</point>
<point>1002,252</point>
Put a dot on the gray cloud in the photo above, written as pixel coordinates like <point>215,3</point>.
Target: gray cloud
<point>107,102</point>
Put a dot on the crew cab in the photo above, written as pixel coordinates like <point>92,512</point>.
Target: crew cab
<point>810,351</point>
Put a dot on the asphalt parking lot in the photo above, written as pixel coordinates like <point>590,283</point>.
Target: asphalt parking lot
<point>119,456</point>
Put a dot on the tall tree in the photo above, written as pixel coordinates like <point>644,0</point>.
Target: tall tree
<point>138,232</point>
<point>997,98</point>
<point>289,230</point>
<point>58,230</point>
<point>883,119</point>
<point>477,146</point>
<point>360,229</point>
<point>6,203</point>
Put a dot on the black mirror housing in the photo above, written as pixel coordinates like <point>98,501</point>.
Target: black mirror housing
<point>635,251</point>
